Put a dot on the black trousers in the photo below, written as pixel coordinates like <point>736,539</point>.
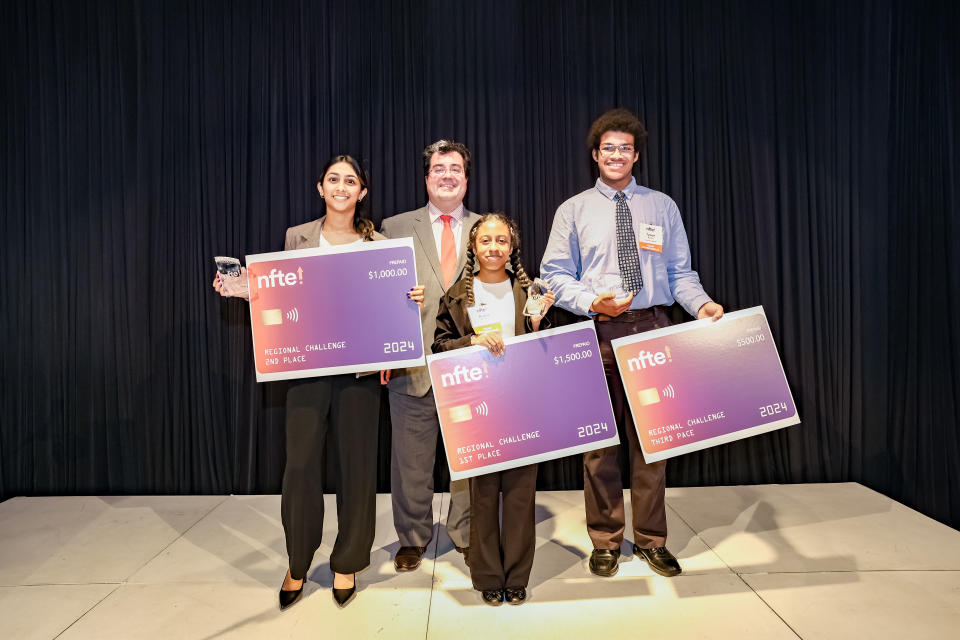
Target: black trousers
<point>343,411</point>
<point>502,556</point>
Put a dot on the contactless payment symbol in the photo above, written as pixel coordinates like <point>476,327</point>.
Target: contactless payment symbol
<point>270,317</point>
<point>464,412</point>
<point>653,395</point>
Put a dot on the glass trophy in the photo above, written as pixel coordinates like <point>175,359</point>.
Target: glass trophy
<point>613,283</point>
<point>232,278</point>
<point>535,292</point>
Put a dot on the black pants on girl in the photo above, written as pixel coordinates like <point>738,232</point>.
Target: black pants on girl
<point>343,411</point>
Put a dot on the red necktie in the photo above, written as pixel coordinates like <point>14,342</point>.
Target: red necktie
<point>448,252</point>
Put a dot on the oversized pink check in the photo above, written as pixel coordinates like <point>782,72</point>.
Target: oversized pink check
<point>545,398</point>
<point>704,383</point>
<point>318,312</point>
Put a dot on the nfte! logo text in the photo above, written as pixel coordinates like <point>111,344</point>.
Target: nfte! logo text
<point>461,375</point>
<point>646,359</point>
<point>276,277</point>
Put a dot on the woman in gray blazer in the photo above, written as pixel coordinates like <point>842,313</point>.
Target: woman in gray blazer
<point>342,409</point>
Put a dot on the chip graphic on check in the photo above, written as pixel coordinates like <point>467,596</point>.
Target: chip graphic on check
<point>460,413</point>
<point>271,316</point>
<point>648,396</point>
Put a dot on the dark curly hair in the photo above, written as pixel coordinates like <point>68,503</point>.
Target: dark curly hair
<point>446,146</point>
<point>361,223</point>
<point>617,120</point>
<point>518,271</point>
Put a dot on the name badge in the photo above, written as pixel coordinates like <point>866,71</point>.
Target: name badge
<point>651,237</point>
<point>481,317</point>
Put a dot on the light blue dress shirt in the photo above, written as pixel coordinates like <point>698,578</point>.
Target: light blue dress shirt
<point>580,261</point>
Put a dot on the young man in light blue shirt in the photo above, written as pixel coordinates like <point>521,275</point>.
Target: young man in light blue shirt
<point>618,252</point>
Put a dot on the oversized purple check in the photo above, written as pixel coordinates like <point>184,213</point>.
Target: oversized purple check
<point>699,384</point>
<point>545,398</point>
<point>318,312</point>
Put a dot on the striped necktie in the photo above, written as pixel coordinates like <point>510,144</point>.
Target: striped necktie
<point>627,253</point>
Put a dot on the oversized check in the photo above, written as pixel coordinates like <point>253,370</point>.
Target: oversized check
<point>545,398</point>
<point>704,383</point>
<point>318,312</point>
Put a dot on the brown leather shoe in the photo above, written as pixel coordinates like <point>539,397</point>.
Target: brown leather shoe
<point>603,562</point>
<point>660,560</point>
<point>408,558</point>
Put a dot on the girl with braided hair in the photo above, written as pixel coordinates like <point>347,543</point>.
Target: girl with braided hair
<point>482,308</point>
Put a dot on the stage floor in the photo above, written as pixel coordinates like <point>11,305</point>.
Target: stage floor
<point>770,561</point>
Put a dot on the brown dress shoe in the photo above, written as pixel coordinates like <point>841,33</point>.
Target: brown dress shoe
<point>660,560</point>
<point>603,562</point>
<point>408,558</point>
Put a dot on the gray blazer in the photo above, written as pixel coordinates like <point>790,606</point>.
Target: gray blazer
<point>415,381</point>
<point>307,235</point>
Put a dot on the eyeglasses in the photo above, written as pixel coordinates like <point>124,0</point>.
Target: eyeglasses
<point>439,170</point>
<point>609,149</point>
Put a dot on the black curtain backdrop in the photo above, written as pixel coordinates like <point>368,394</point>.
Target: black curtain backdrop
<point>811,146</point>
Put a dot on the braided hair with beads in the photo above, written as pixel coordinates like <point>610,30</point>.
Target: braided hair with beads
<point>518,270</point>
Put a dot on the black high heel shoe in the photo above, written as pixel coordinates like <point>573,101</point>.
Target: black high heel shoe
<point>288,597</point>
<point>343,596</point>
